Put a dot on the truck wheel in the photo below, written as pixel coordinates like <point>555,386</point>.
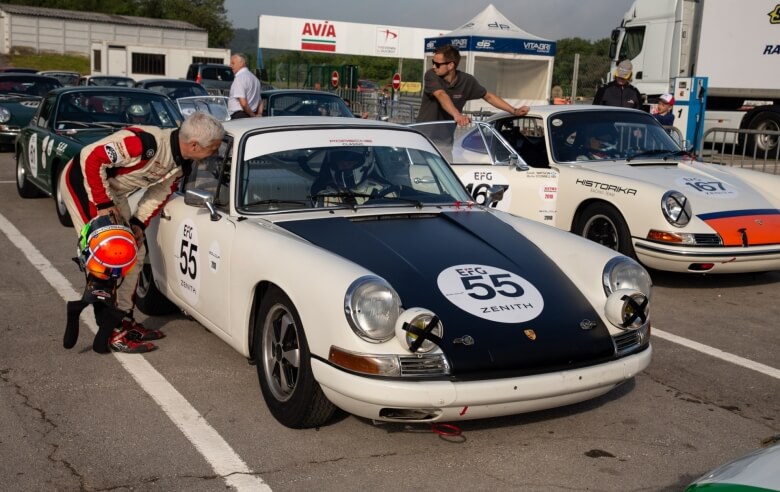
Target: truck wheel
<point>59,204</point>
<point>23,185</point>
<point>764,145</point>
<point>603,224</point>
<point>148,299</point>
<point>283,361</point>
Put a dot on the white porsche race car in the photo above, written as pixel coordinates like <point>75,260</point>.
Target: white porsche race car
<point>615,176</point>
<point>346,259</point>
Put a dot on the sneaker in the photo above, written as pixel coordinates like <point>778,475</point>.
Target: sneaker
<point>120,342</point>
<point>137,332</point>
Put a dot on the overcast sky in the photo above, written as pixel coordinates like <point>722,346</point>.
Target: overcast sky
<point>551,19</point>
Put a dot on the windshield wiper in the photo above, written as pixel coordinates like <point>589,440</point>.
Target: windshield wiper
<point>657,152</point>
<point>276,202</point>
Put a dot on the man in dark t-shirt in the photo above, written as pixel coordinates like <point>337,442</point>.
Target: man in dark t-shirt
<point>620,92</point>
<point>446,90</point>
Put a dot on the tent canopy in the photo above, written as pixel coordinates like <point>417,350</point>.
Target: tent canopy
<point>505,59</point>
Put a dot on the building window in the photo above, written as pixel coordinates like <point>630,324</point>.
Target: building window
<point>148,63</point>
<point>96,61</point>
<point>204,59</point>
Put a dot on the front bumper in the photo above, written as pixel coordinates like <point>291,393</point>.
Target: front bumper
<point>724,259</point>
<point>447,401</point>
<point>8,133</point>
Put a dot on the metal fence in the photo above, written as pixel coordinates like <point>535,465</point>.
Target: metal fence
<point>750,149</point>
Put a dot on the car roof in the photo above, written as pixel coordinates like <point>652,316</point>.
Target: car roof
<point>69,72</point>
<point>103,88</point>
<point>568,108</point>
<point>298,91</point>
<point>162,81</point>
<point>242,125</point>
<point>27,76</point>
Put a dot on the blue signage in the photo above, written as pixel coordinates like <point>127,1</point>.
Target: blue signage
<point>494,45</point>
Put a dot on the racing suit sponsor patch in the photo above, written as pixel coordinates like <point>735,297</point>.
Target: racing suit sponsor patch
<point>111,152</point>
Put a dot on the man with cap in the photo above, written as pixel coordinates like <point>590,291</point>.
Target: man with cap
<point>663,112</point>
<point>620,92</point>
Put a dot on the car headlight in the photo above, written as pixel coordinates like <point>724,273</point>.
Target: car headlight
<point>621,272</point>
<point>628,288</point>
<point>372,307</point>
<point>419,330</point>
<point>676,208</point>
<point>5,115</point>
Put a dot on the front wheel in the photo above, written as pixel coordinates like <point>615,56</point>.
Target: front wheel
<point>59,203</point>
<point>283,361</point>
<point>148,299</point>
<point>603,224</point>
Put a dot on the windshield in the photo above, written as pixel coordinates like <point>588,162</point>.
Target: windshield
<point>305,104</point>
<point>118,81</point>
<point>216,106</point>
<point>92,109</point>
<point>342,167</point>
<point>175,90</point>
<point>607,135</point>
<point>27,85</point>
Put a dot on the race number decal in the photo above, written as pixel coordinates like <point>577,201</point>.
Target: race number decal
<point>32,154</point>
<point>478,184</point>
<point>491,293</point>
<point>188,266</point>
<point>711,188</point>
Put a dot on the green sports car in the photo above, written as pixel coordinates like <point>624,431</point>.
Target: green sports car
<point>20,95</point>
<point>69,119</point>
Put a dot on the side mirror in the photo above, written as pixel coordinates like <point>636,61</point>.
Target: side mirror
<point>202,199</point>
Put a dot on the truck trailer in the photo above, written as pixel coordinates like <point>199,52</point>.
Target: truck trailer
<point>735,44</point>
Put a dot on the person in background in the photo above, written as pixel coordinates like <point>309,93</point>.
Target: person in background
<point>620,92</point>
<point>101,177</point>
<point>244,99</point>
<point>663,112</point>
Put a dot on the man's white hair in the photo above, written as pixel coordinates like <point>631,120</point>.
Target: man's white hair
<point>202,128</point>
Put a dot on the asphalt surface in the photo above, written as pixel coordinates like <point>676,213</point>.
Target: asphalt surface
<point>76,420</point>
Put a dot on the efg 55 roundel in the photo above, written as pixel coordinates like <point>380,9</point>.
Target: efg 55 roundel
<point>491,293</point>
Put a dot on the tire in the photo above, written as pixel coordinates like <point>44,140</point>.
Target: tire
<point>59,204</point>
<point>148,299</point>
<point>23,185</point>
<point>283,362</point>
<point>603,224</point>
<point>764,145</point>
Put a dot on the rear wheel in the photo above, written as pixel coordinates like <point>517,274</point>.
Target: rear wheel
<point>603,224</point>
<point>59,204</point>
<point>764,145</point>
<point>148,299</point>
<point>23,185</point>
<point>283,361</point>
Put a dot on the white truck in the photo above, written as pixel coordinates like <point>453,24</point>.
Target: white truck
<point>735,44</point>
<point>150,61</point>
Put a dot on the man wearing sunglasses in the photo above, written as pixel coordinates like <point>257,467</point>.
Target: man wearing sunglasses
<point>447,89</point>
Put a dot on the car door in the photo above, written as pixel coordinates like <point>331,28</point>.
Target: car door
<point>37,143</point>
<point>195,250</point>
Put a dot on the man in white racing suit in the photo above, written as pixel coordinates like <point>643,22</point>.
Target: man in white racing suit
<point>99,179</point>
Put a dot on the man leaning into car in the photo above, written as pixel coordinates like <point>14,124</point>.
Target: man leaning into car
<point>99,179</point>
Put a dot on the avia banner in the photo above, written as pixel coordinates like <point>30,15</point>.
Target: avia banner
<point>347,38</point>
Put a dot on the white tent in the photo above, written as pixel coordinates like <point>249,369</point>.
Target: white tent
<point>506,60</point>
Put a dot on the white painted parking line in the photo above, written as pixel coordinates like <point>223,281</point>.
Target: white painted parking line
<point>217,452</point>
<point>717,353</point>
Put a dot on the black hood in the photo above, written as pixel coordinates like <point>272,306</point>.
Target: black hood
<point>473,260</point>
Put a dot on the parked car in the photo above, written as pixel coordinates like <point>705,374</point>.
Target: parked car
<point>112,80</point>
<point>216,78</point>
<point>173,88</point>
<point>214,105</point>
<point>18,70</point>
<point>615,176</point>
<point>365,85</point>
<point>301,102</point>
<point>72,117</point>
<point>20,94</point>
<point>404,303</point>
<point>757,471</point>
<point>66,78</point>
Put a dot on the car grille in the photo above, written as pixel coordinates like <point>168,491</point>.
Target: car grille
<point>630,341</point>
<point>424,365</point>
<point>707,239</point>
